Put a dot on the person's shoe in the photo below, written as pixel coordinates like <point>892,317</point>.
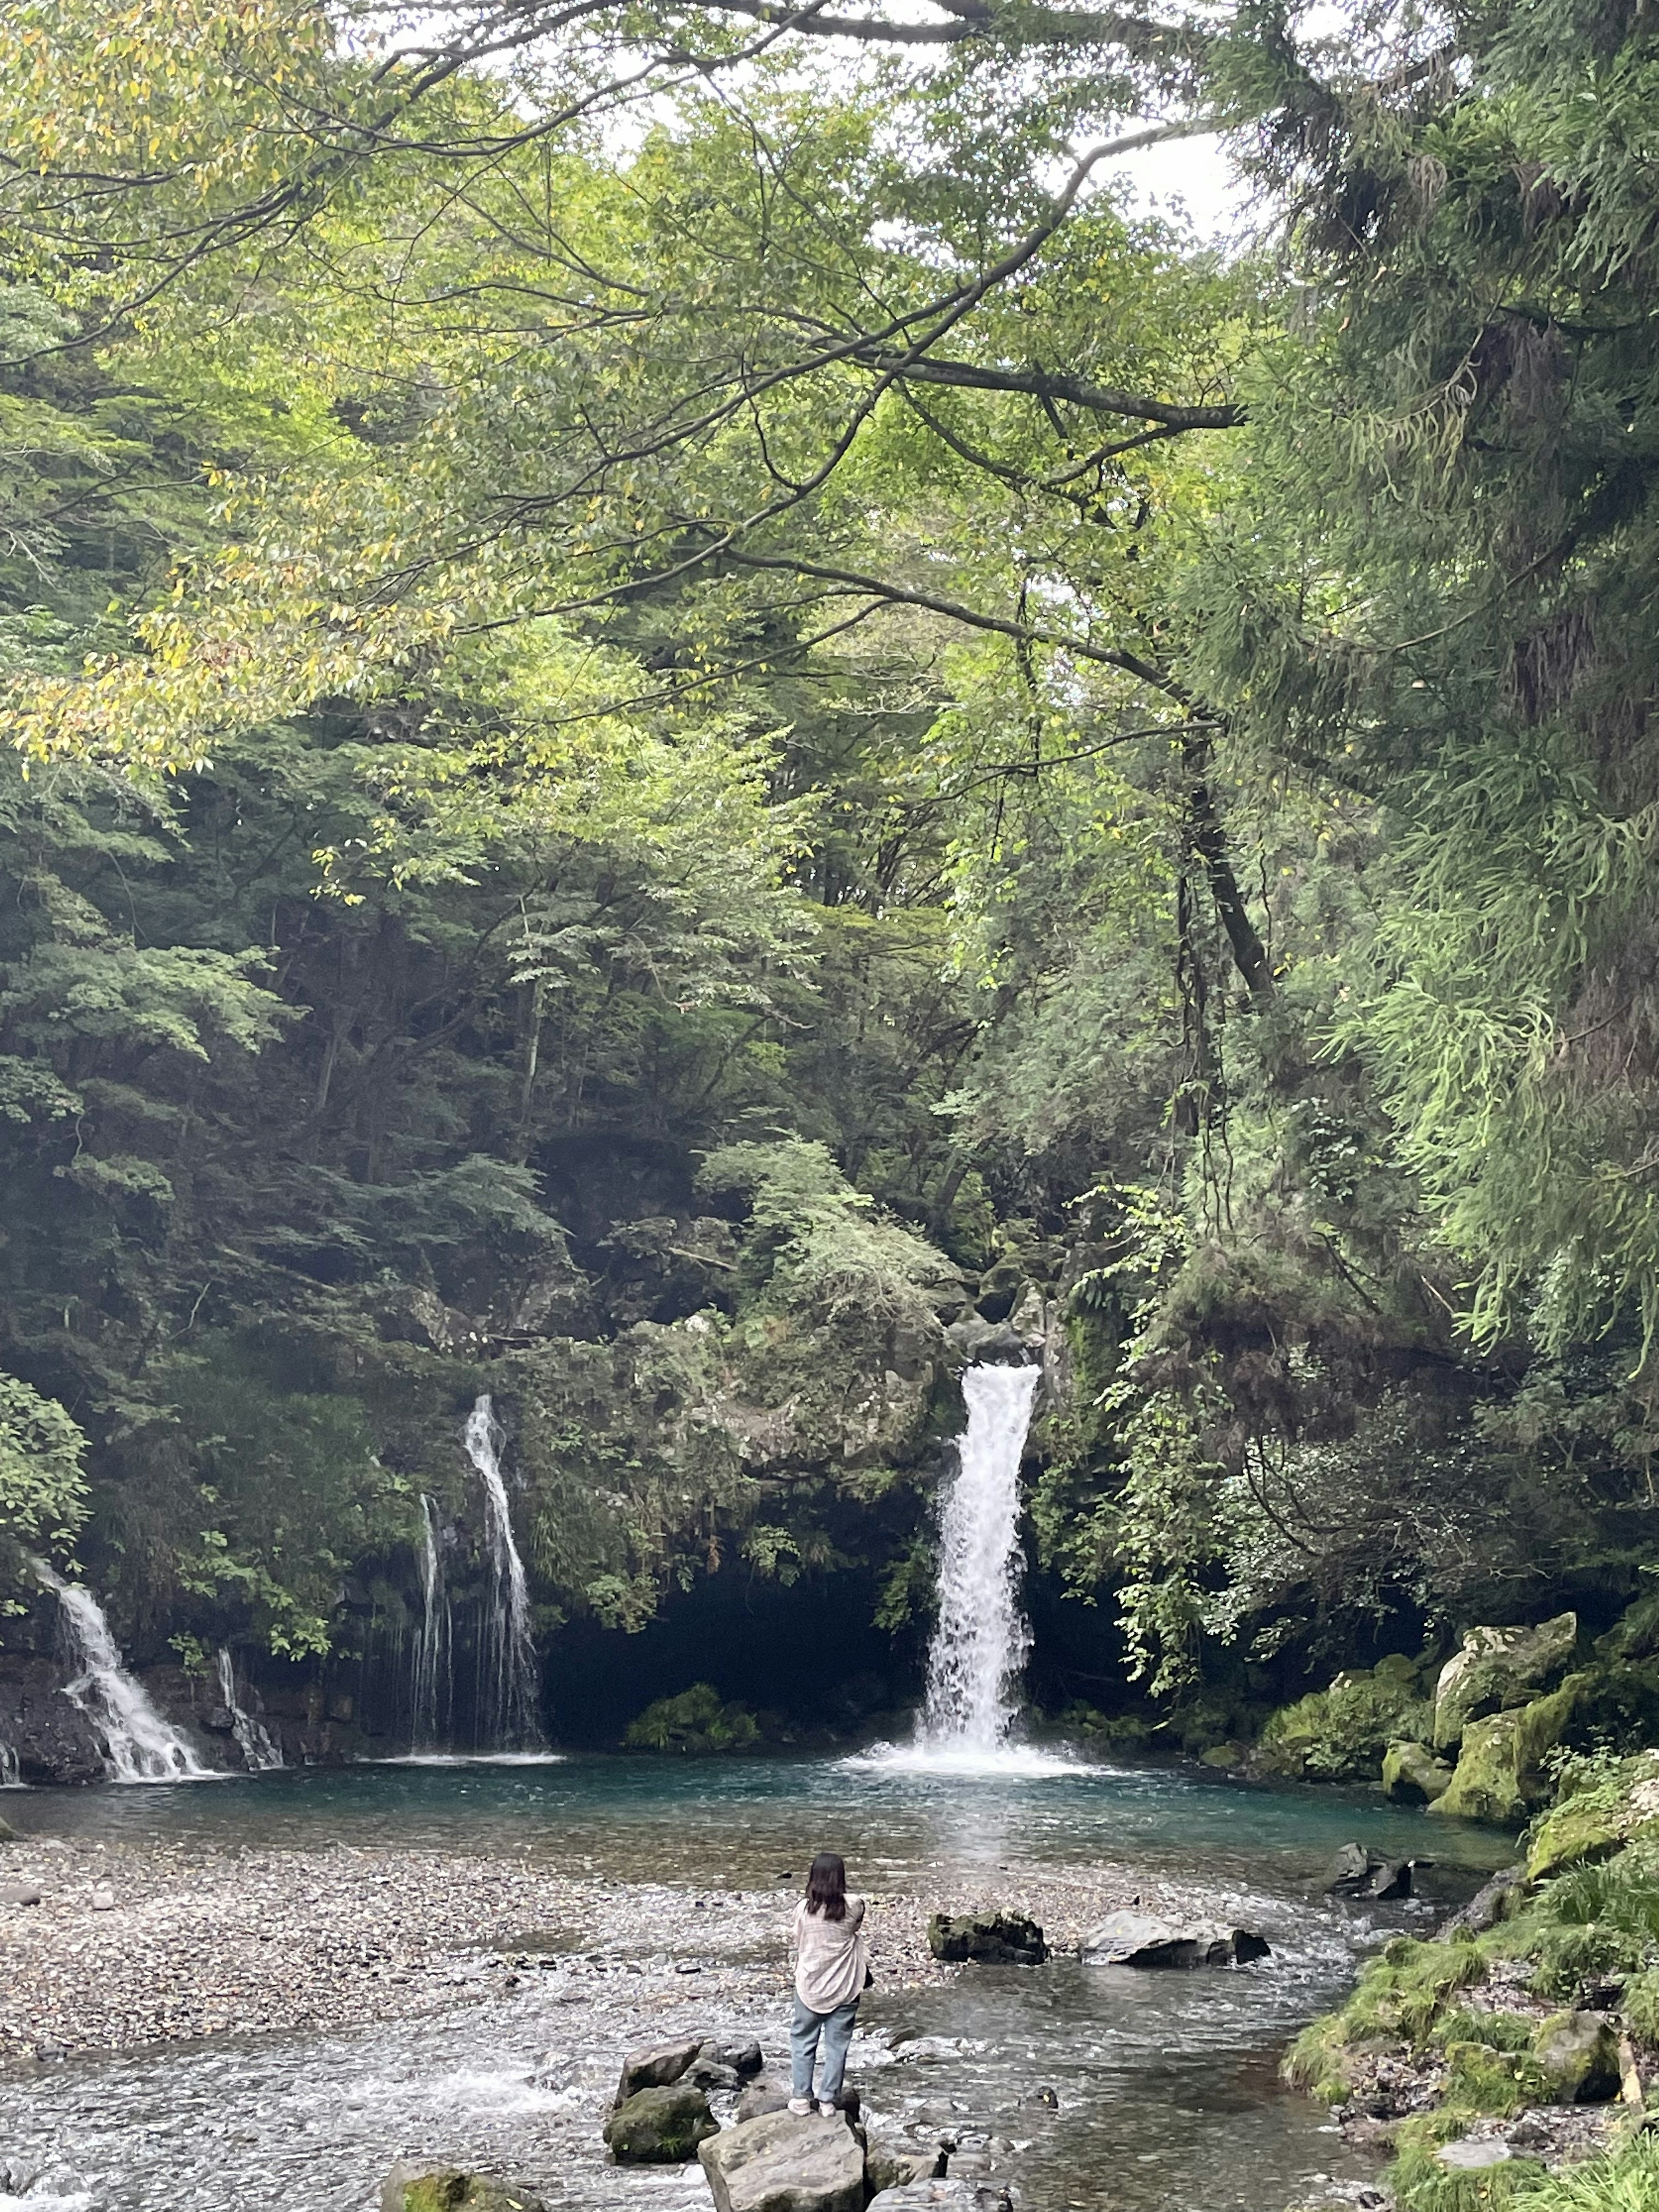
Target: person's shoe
<point>800,2106</point>
<point>827,2111</point>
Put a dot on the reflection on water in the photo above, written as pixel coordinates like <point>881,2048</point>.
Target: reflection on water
<point>1166,2100</point>
<point>743,1821</point>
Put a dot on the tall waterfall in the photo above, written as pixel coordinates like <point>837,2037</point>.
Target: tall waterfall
<point>138,1744</point>
<point>259,1749</point>
<point>509,1680</point>
<point>429,1678</point>
<point>980,1645</point>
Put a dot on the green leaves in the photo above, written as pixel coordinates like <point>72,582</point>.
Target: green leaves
<point>43,1486</point>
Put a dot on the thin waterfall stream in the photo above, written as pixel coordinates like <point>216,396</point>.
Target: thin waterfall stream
<point>261,1754</point>
<point>430,1682</point>
<point>138,1744</point>
<point>509,1685</point>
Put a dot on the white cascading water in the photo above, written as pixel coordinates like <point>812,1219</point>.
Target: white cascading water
<point>11,1777</point>
<point>509,1681</point>
<point>980,1645</point>
<point>138,1744</point>
<point>429,1688</point>
<point>259,1749</point>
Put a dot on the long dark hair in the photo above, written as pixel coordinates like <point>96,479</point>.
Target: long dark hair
<point>826,1885</point>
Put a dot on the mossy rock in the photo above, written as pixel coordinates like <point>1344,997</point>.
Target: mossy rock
<point>415,2188</point>
<point>1595,1819</point>
<point>1412,1775</point>
<point>661,2127</point>
<point>1499,1776</point>
<point>1578,2054</point>
<point>1498,1667</point>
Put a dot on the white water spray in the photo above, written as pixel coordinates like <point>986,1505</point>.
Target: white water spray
<point>429,1680</point>
<point>138,1744</point>
<point>980,1645</point>
<point>259,1749</point>
<point>509,1680</point>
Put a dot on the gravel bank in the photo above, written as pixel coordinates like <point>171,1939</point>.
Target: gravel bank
<point>199,1943</point>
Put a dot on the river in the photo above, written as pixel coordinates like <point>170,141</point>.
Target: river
<point>1166,2097</point>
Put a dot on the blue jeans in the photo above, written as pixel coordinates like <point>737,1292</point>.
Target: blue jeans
<point>804,2030</point>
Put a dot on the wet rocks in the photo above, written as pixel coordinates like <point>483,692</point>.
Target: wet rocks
<point>415,2188</point>
<point>781,2163</point>
<point>661,2127</point>
<point>893,2164</point>
<point>657,2067</point>
<point>1143,1939</point>
<point>999,1939</point>
<point>950,2193</point>
<point>1358,1871</point>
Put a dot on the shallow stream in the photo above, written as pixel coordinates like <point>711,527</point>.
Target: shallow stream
<point>1167,2097</point>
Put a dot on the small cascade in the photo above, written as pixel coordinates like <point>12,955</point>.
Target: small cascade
<point>981,1639</point>
<point>430,1685</point>
<point>138,1744</point>
<point>10,1775</point>
<point>259,1749</point>
<point>509,1679</point>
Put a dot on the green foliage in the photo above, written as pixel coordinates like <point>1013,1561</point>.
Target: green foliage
<point>1342,1732</point>
<point>696,1722</point>
<point>43,1489</point>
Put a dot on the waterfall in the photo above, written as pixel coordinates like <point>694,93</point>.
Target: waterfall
<point>981,1639</point>
<point>428,1708</point>
<point>259,1749</point>
<point>10,1773</point>
<point>138,1744</point>
<point>509,1680</point>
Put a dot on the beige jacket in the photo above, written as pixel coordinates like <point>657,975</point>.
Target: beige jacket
<point>830,1956</point>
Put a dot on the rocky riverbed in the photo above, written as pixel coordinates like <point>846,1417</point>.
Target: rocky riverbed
<point>136,1944</point>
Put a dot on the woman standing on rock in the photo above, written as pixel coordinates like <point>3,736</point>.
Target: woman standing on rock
<point>831,1970</point>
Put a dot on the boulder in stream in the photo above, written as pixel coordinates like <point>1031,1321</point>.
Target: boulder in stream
<point>1144,1939</point>
<point>781,2163</point>
<point>1358,1871</point>
<point>891,2163</point>
<point>659,2127</point>
<point>412,2187</point>
<point>657,2066</point>
<point>9,1834</point>
<point>997,1939</point>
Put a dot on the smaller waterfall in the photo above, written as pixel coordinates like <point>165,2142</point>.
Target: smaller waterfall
<point>980,1645</point>
<point>429,1679</point>
<point>10,1775</point>
<point>509,1685</point>
<point>138,1744</point>
<point>259,1749</point>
